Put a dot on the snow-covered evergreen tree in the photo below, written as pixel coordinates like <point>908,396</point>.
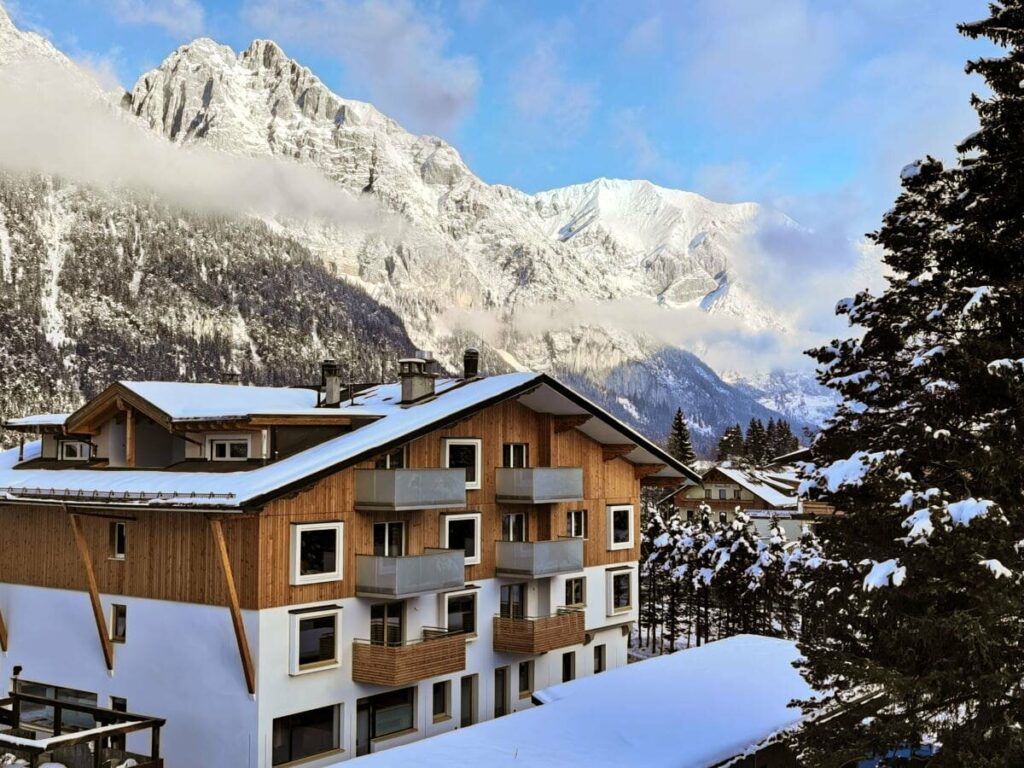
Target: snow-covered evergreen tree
<point>922,602</point>
<point>731,446</point>
<point>680,444</point>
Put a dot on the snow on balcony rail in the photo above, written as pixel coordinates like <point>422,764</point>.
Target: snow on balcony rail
<point>84,495</point>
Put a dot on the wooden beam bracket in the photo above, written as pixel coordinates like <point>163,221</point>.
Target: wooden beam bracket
<point>571,421</point>
<point>3,633</point>
<point>640,471</point>
<point>94,591</point>
<point>217,529</point>
<point>616,450</point>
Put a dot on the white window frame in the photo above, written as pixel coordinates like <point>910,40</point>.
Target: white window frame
<point>295,625</point>
<point>610,576</point>
<point>114,526</point>
<point>446,596</point>
<point>295,547</point>
<point>474,441</point>
<point>571,529</point>
<point>612,544</point>
<point>508,455</point>
<point>404,450</point>
<point>80,445</point>
<point>475,516</point>
<point>512,515</point>
<point>211,440</point>
<point>387,533</point>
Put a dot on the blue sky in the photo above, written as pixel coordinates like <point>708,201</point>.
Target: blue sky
<point>807,105</point>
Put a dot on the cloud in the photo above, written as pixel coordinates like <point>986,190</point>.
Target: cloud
<point>178,17</point>
<point>644,37</point>
<point>629,132</point>
<point>102,68</point>
<point>399,53</point>
<point>56,122</point>
<point>542,92</point>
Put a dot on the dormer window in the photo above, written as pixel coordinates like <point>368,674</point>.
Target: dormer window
<point>74,450</point>
<point>229,448</point>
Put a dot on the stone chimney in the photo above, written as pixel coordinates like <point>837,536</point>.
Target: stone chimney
<point>417,379</point>
<point>230,376</point>
<point>330,380</point>
<point>470,364</point>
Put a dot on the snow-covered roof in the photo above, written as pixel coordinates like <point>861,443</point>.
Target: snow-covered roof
<point>692,708</point>
<point>770,489</point>
<point>186,400</point>
<point>392,425</point>
<point>38,420</point>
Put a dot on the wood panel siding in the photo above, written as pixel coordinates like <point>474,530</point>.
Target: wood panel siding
<point>405,664</point>
<point>539,635</point>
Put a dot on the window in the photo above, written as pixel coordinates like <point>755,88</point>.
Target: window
<point>600,662</point>
<point>229,449</point>
<point>315,634</point>
<point>462,532</point>
<point>568,666</point>
<point>513,526</point>
<point>386,623</point>
<point>723,517</point>
<point>576,523</point>
<point>118,540</point>
<point>620,590</point>
<point>463,453</point>
<point>467,700</point>
<point>383,715</point>
<point>118,622</point>
<point>707,493</point>
<point>460,612</point>
<point>74,450</point>
<point>576,591</point>
<point>736,494</point>
<point>118,741</point>
<point>525,679</point>
<point>41,716</point>
<point>620,527</point>
<point>316,553</point>
<point>442,700</point>
<point>501,691</point>
<point>515,455</point>
<point>389,539</point>
<point>306,734</point>
<point>393,460</point>
<point>513,601</point>
<point>721,493</point>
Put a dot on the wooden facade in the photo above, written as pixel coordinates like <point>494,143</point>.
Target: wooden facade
<point>172,555</point>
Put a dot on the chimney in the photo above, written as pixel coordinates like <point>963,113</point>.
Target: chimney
<point>470,364</point>
<point>330,380</point>
<point>230,376</point>
<point>417,380</point>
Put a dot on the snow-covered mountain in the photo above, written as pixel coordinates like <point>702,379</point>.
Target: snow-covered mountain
<point>570,281</point>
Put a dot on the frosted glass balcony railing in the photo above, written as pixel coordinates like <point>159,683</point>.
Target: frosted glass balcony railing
<point>539,558</point>
<point>433,571</point>
<point>395,490</point>
<point>539,485</point>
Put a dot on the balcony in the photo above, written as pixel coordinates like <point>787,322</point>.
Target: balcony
<point>536,559</point>
<point>539,485</point>
<point>438,652</point>
<point>539,634</point>
<point>395,577</point>
<point>398,490</point>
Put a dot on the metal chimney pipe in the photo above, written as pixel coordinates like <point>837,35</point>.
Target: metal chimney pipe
<point>330,375</point>
<point>470,363</point>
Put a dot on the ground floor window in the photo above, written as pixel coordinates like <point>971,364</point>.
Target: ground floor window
<point>442,705</point>
<point>525,678</point>
<point>600,660</point>
<point>568,666</point>
<point>306,734</point>
<point>383,715</point>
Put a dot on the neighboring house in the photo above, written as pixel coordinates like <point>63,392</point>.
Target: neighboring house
<point>761,493</point>
<point>727,703</point>
<point>303,575</point>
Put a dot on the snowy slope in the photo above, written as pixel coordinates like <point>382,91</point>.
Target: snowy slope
<point>474,263</point>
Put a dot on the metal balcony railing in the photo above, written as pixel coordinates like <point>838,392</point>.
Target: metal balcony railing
<point>433,571</point>
<point>538,558</point>
<point>396,490</point>
<point>539,485</point>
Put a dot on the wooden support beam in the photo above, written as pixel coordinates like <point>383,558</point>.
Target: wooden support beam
<point>129,437</point>
<point>217,529</point>
<point>3,633</point>
<point>565,423</point>
<point>616,450</point>
<point>640,471</point>
<point>94,591</point>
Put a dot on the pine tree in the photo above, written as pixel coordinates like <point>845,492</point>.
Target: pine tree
<point>679,443</point>
<point>924,459</point>
<point>756,443</point>
<point>731,446</point>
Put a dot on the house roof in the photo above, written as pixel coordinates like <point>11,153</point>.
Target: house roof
<point>697,707</point>
<point>769,489</point>
<point>390,424</point>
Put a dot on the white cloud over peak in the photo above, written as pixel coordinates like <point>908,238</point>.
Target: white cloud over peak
<point>397,51</point>
<point>543,92</point>
<point>179,17</point>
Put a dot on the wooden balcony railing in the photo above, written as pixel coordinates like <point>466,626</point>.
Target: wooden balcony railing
<point>539,634</point>
<point>437,652</point>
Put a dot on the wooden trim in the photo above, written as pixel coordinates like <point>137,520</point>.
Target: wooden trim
<point>217,529</point>
<point>617,450</point>
<point>114,397</point>
<point>129,437</point>
<point>565,423</point>
<point>94,592</point>
<point>3,633</point>
<point>640,471</point>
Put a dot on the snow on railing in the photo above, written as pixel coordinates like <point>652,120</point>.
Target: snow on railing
<point>82,495</point>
